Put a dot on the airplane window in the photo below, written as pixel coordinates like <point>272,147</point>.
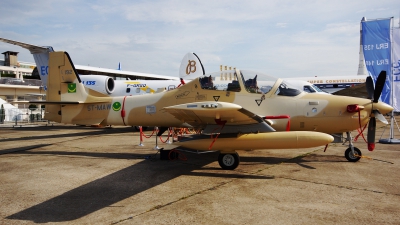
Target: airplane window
<point>234,86</point>
<point>265,89</point>
<point>148,90</point>
<point>222,81</point>
<point>207,82</point>
<point>256,82</point>
<point>251,85</point>
<point>308,89</point>
<point>137,90</point>
<point>128,90</point>
<point>317,88</point>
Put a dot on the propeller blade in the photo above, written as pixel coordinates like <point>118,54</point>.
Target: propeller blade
<point>380,117</point>
<point>371,134</point>
<point>380,83</point>
<point>370,87</point>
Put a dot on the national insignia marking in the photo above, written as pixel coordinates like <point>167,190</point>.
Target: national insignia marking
<point>72,88</point>
<point>116,106</point>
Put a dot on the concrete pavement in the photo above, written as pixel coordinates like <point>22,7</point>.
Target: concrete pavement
<point>86,175</point>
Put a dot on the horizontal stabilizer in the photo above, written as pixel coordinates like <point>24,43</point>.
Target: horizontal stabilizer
<point>32,48</point>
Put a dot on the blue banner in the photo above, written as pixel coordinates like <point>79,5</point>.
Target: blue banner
<point>377,51</point>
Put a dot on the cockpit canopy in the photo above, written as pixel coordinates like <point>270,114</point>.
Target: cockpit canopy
<point>246,80</point>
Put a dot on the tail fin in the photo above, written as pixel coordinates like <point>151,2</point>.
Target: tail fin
<point>66,96</point>
<point>191,67</point>
<point>40,55</point>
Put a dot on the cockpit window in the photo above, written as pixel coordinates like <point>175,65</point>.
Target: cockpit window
<point>250,81</point>
<point>317,88</point>
<point>256,82</point>
<point>286,90</point>
<point>226,80</point>
<point>308,89</point>
<point>207,82</point>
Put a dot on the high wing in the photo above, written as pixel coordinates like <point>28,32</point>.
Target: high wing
<point>219,117</point>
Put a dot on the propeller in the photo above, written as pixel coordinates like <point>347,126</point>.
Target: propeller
<point>374,93</point>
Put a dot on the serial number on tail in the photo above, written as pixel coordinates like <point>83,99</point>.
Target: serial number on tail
<point>98,107</point>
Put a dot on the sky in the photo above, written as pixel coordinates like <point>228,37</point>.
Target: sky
<point>279,38</point>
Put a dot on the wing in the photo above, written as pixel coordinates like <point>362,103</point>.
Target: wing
<point>359,91</point>
<point>219,117</point>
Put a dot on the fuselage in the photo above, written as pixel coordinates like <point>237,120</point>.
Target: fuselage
<point>308,112</point>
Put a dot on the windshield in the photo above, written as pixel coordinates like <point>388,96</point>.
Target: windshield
<point>226,80</point>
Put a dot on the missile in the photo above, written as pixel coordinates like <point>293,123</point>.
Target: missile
<point>270,140</point>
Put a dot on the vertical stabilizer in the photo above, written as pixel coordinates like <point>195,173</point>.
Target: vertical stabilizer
<point>191,67</point>
<point>40,55</point>
<point>66,97</point>
<point>63,79</point>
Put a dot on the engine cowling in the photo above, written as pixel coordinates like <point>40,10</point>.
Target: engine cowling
<point>100,83</point>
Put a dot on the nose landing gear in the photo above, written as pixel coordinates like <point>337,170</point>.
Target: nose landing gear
<point>352,154</point>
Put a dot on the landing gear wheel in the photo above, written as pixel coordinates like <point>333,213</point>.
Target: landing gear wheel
<point>228,161</point>
<point>350,156</point>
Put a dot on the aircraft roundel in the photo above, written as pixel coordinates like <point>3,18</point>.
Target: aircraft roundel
<point>116,106</point>
<point>72,88</point>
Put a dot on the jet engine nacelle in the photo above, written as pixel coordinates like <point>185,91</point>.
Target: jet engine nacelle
<point>102,84</point>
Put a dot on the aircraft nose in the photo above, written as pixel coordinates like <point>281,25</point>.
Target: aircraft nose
<point>383,107</point>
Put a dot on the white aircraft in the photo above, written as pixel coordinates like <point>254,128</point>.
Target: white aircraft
<point>331,84</point>
<point>109,86</point>
<point>240,114</point>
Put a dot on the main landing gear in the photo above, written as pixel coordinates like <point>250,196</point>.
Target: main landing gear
<point>352,154</point>
<point>228,161</point>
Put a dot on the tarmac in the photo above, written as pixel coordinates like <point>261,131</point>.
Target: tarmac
<point>66,174</point>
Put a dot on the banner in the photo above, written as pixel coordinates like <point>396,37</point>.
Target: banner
<point>377,51</point>
<point>396,69</point>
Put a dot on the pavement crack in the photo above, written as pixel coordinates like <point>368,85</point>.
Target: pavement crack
<point>337,185</point>
<point>178,200</point>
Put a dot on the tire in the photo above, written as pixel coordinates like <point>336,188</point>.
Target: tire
<point>228,161</point>
<point>349,155</point>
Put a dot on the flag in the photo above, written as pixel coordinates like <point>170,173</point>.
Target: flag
<point>396,69</point>
<point>377,52</point>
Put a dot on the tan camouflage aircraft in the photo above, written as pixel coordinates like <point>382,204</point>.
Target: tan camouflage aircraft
<point>228,105</point>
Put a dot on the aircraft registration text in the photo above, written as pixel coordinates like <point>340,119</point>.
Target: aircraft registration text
<point>98,107</point>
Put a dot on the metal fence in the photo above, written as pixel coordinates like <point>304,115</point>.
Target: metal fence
<point>15,81</point>
<point>20,117</point>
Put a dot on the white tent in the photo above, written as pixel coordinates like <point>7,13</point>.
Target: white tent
<point>12,113</point>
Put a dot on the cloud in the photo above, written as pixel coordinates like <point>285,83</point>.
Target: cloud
<point>279,37</point>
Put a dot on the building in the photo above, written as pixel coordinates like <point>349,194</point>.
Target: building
<point>21,80</point>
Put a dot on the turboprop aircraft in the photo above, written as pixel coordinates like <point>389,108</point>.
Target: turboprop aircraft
<point>238,115</point>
